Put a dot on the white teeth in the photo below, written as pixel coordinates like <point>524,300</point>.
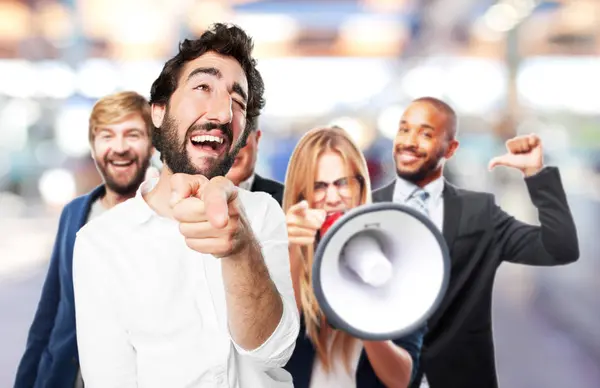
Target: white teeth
<point>205,138</point>
<point>121,162</point>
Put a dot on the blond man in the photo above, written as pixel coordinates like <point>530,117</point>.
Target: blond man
<point>120,142</point>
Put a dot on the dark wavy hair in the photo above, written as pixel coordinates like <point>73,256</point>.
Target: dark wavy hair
<point>224,39</point>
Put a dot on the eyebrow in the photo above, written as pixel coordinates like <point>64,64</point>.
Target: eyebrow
<point>236,88</point>
<point>426,126</point>
<point>334,181</point>
<point>126,130</point>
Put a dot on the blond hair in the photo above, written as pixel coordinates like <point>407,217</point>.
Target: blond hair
<point>117,107</point>
<point>299,185</point>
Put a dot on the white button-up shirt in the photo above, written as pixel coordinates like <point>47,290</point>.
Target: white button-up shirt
<point>435,204</point>
<point>151,312</point>
<point>247,184</point>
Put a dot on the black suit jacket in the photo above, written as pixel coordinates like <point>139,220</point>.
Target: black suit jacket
<point>458,350</point>
<point>274,188</point>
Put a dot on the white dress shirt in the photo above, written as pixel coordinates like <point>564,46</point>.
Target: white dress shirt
<point>435,203</point>
<point>435,208</point>
<point>247,184</point>
<point>151,312</point>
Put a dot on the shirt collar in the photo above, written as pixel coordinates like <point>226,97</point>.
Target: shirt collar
<point>142,211</point>
<point>247,184</point>
<point>403,189</point>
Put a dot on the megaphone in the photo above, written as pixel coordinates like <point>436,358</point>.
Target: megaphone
<point>380,271</point>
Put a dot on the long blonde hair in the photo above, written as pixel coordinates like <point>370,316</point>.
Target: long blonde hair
<point>299,185</point>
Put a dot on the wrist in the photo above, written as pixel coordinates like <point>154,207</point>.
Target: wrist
<point>376,344</point>
<point>531,171</point>
<point>245,245</point>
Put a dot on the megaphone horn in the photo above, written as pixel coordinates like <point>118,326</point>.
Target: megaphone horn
<point>380,271</point>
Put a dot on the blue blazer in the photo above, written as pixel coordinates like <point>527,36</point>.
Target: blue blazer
<point>51,357</point>
<point>300,364</point>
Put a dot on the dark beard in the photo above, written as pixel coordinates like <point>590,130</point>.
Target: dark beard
<point>130,187</point>
<point>175,156</point>
<point>425,170</point>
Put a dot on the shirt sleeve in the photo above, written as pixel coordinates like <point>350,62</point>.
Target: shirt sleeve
<point>107,359</point>
<point>45,315</point>
<point>278,348</point>
<point>413,343</point>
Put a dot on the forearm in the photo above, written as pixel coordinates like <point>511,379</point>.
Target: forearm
<point>558,231</point>
<point>254,305</point>
<point>37,341</point>
<point>391,363</point>
<point>554,242</point>
<point>42,325</point>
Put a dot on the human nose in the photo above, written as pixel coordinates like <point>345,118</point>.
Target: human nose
<point>332,195</point>
<point>220,108</point>
<point>120,144</point>
<point>411,139</point>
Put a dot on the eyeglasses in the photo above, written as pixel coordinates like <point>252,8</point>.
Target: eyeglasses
<point>346,187</point>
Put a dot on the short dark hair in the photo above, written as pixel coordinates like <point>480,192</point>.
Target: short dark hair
<point>224,39</point>
<point>252,124</point>
<point>440,105</point>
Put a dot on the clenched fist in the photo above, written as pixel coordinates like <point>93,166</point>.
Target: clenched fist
<point>524,153</point>
<point>210,215</point>
<point>303,223</point>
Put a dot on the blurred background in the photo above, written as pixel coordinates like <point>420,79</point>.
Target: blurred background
<point>508,67</point>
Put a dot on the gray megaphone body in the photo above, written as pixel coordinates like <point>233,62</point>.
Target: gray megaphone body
<point>380,271</point>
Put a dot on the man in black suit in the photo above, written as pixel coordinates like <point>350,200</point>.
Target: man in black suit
<point>458,350</point>
<point>242,172</point>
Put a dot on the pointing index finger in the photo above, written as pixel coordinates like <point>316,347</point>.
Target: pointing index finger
<point>184,185</point>
<point>299,208</point>
<point>217,195</point>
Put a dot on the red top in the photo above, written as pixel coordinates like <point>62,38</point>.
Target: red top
<point>331,218</point>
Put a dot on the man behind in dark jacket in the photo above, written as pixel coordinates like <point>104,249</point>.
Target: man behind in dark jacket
<point>120,141</point>
<point>242,172</point>
<point>458,350</point>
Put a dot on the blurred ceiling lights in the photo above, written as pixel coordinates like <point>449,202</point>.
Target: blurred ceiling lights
<point>55,22</point>
<point>372,36</point>
<point>273,34</point>
<point>363,135</point>
<point>134,29</point>
<point>385,5</point>
<point>580,16</point>
<point>57,187</point>
<point>502,17</point>
<point>147,29</point>
<point>388,120</point>
<point>15,21</point>
<point>373,28</point>
<point>69,127</point>
<point>15,117</point>
<point>200,14</point>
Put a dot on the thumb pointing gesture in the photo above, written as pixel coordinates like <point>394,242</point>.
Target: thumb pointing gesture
<point>524,153</point>
<point>507,160</point>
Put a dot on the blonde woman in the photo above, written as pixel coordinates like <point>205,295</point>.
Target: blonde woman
<point>327,173</point>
